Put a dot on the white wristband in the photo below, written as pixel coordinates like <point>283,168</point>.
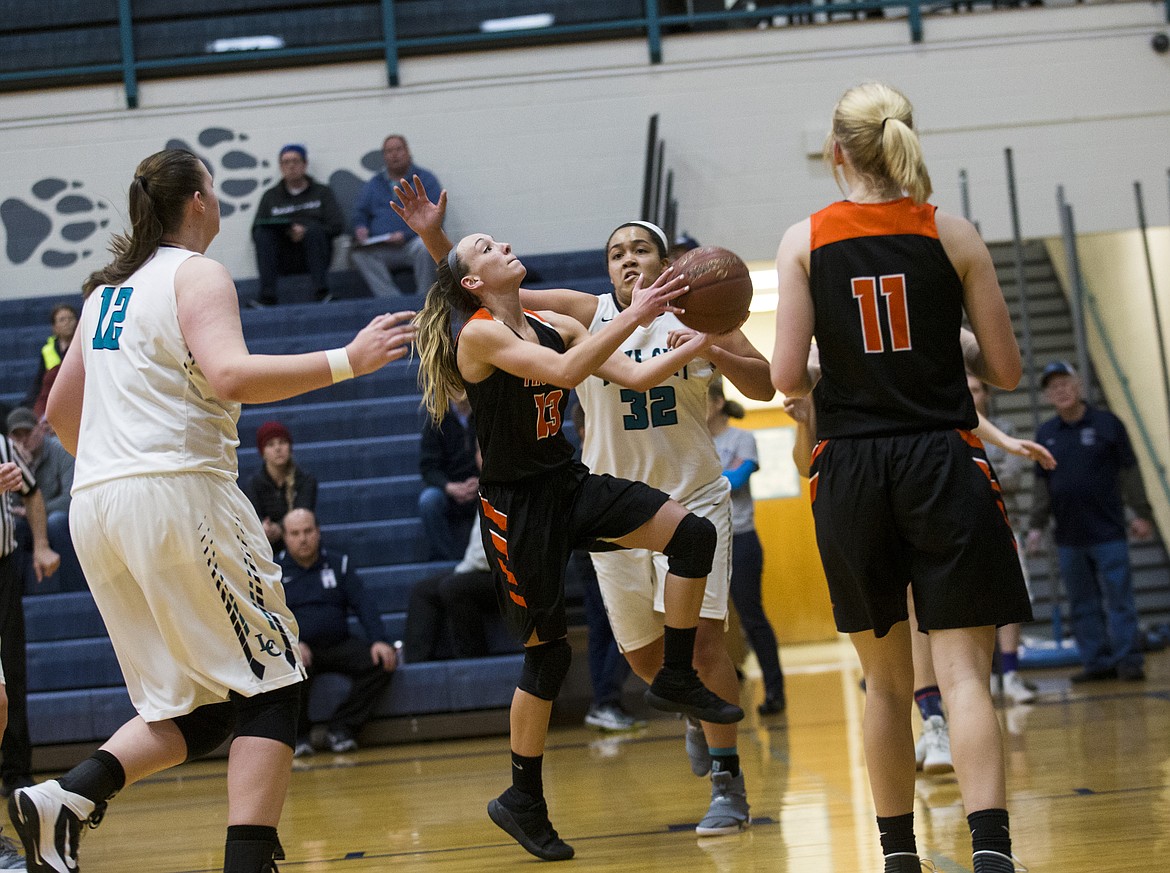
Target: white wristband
<point>339,365</point>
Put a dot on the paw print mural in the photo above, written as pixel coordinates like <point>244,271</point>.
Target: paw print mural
<point>238,173</point>
<point>347,186</point>
<point>59,222</point>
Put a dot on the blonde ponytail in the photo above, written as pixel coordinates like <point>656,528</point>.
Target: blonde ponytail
<point>438,371</point>
<point>874,124</point>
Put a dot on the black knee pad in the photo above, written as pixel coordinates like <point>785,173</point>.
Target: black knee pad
<point>691,551</point>
<point>206,727</point>
<point>545,669</point>
<point>272,715</point>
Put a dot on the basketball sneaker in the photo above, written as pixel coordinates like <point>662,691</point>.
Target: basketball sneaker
<point>50,821</point>
<point>611,717</point>
<point>340,741</point>
<point>996,862</point>
<point>935,746</point>
<point>698,752</point>
<point>729,810</point>
<point>526,821</point>
<point>10,857</point>
<point>682,691</point>
<point>907,862</point>
<point>1016,689</point>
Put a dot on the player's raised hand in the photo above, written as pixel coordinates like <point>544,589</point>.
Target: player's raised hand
<point>386,338</point>
<point>656,298</point>
<point>415,207</point>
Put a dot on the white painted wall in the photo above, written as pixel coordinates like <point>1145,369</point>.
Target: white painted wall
<point>544,147</point>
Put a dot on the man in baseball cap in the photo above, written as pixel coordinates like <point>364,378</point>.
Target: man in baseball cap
<point>1056,368</point>
<point>1095,478</point>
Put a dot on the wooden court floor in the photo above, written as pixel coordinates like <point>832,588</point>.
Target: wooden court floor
<point>1088,779</point>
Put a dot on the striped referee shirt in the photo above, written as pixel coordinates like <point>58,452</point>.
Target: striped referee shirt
<point>28,486</point>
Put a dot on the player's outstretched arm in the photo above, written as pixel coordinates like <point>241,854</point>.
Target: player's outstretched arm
<point>621,369</point>
<point>575,304</point>
<point>1033,451</point>
<point>423,216</point>
<point>209,316</point>
<point>737,359</point>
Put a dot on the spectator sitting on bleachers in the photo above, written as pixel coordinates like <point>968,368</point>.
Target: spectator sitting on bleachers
<point>447,612</point>
<point>295,225</point>
<point>280,485</point>
<point>382,241</point>
<point>450,496</point>
<point>64,320</point>
<point>321,591</point>
<point>52,467</point>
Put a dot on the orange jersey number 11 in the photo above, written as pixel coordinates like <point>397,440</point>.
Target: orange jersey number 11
<point>893,290</point>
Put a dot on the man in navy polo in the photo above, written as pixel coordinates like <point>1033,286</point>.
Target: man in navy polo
<point>1095,476</point>
<point>322,591</point>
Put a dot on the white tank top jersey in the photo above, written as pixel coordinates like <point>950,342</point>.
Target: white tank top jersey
<point>148,408</point>
<point>660,436</point>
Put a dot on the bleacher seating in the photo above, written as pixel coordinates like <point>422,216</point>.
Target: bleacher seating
<point>360,438</point>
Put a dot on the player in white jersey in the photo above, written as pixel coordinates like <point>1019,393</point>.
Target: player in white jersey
<point>660,437</point>
<point>175,556</point>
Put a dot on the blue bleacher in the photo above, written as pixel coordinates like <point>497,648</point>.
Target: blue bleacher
<point>360,439</point>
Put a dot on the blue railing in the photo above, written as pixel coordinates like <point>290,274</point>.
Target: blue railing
<point>652,24</point>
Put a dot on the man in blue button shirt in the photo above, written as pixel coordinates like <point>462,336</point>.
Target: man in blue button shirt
<point>382,241</point>
<point>321,591</point>
<point>1096,474</point>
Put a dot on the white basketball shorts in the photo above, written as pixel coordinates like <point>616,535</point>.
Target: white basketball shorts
<point>632,580</point>
<point>184,578</point>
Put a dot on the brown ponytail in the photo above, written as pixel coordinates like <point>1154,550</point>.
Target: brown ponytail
<point>162,186</point>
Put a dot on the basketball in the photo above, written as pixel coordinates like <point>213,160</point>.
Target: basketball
<point>720,290</point>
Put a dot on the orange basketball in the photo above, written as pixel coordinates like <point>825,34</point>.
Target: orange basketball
<point>720,289</point>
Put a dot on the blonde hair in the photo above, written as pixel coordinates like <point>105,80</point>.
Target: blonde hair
<point>162,186</point>
<point>438,370</point>
<point>874,125</point>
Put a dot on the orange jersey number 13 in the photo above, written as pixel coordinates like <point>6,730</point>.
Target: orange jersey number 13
<point>548,414</point>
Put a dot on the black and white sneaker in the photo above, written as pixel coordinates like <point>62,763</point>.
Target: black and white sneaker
<point>682,691</point>
<point>50,821</point>
<point>528,824</point>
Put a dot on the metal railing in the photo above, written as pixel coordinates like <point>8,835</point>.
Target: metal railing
<point>652,24</point>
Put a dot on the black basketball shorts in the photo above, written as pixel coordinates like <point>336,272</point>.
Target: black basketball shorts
<point>530,527</point>
<point>920,509</point>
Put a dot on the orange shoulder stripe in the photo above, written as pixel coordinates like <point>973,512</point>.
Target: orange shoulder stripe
<point>478,315</point>
<point>845,220</point>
